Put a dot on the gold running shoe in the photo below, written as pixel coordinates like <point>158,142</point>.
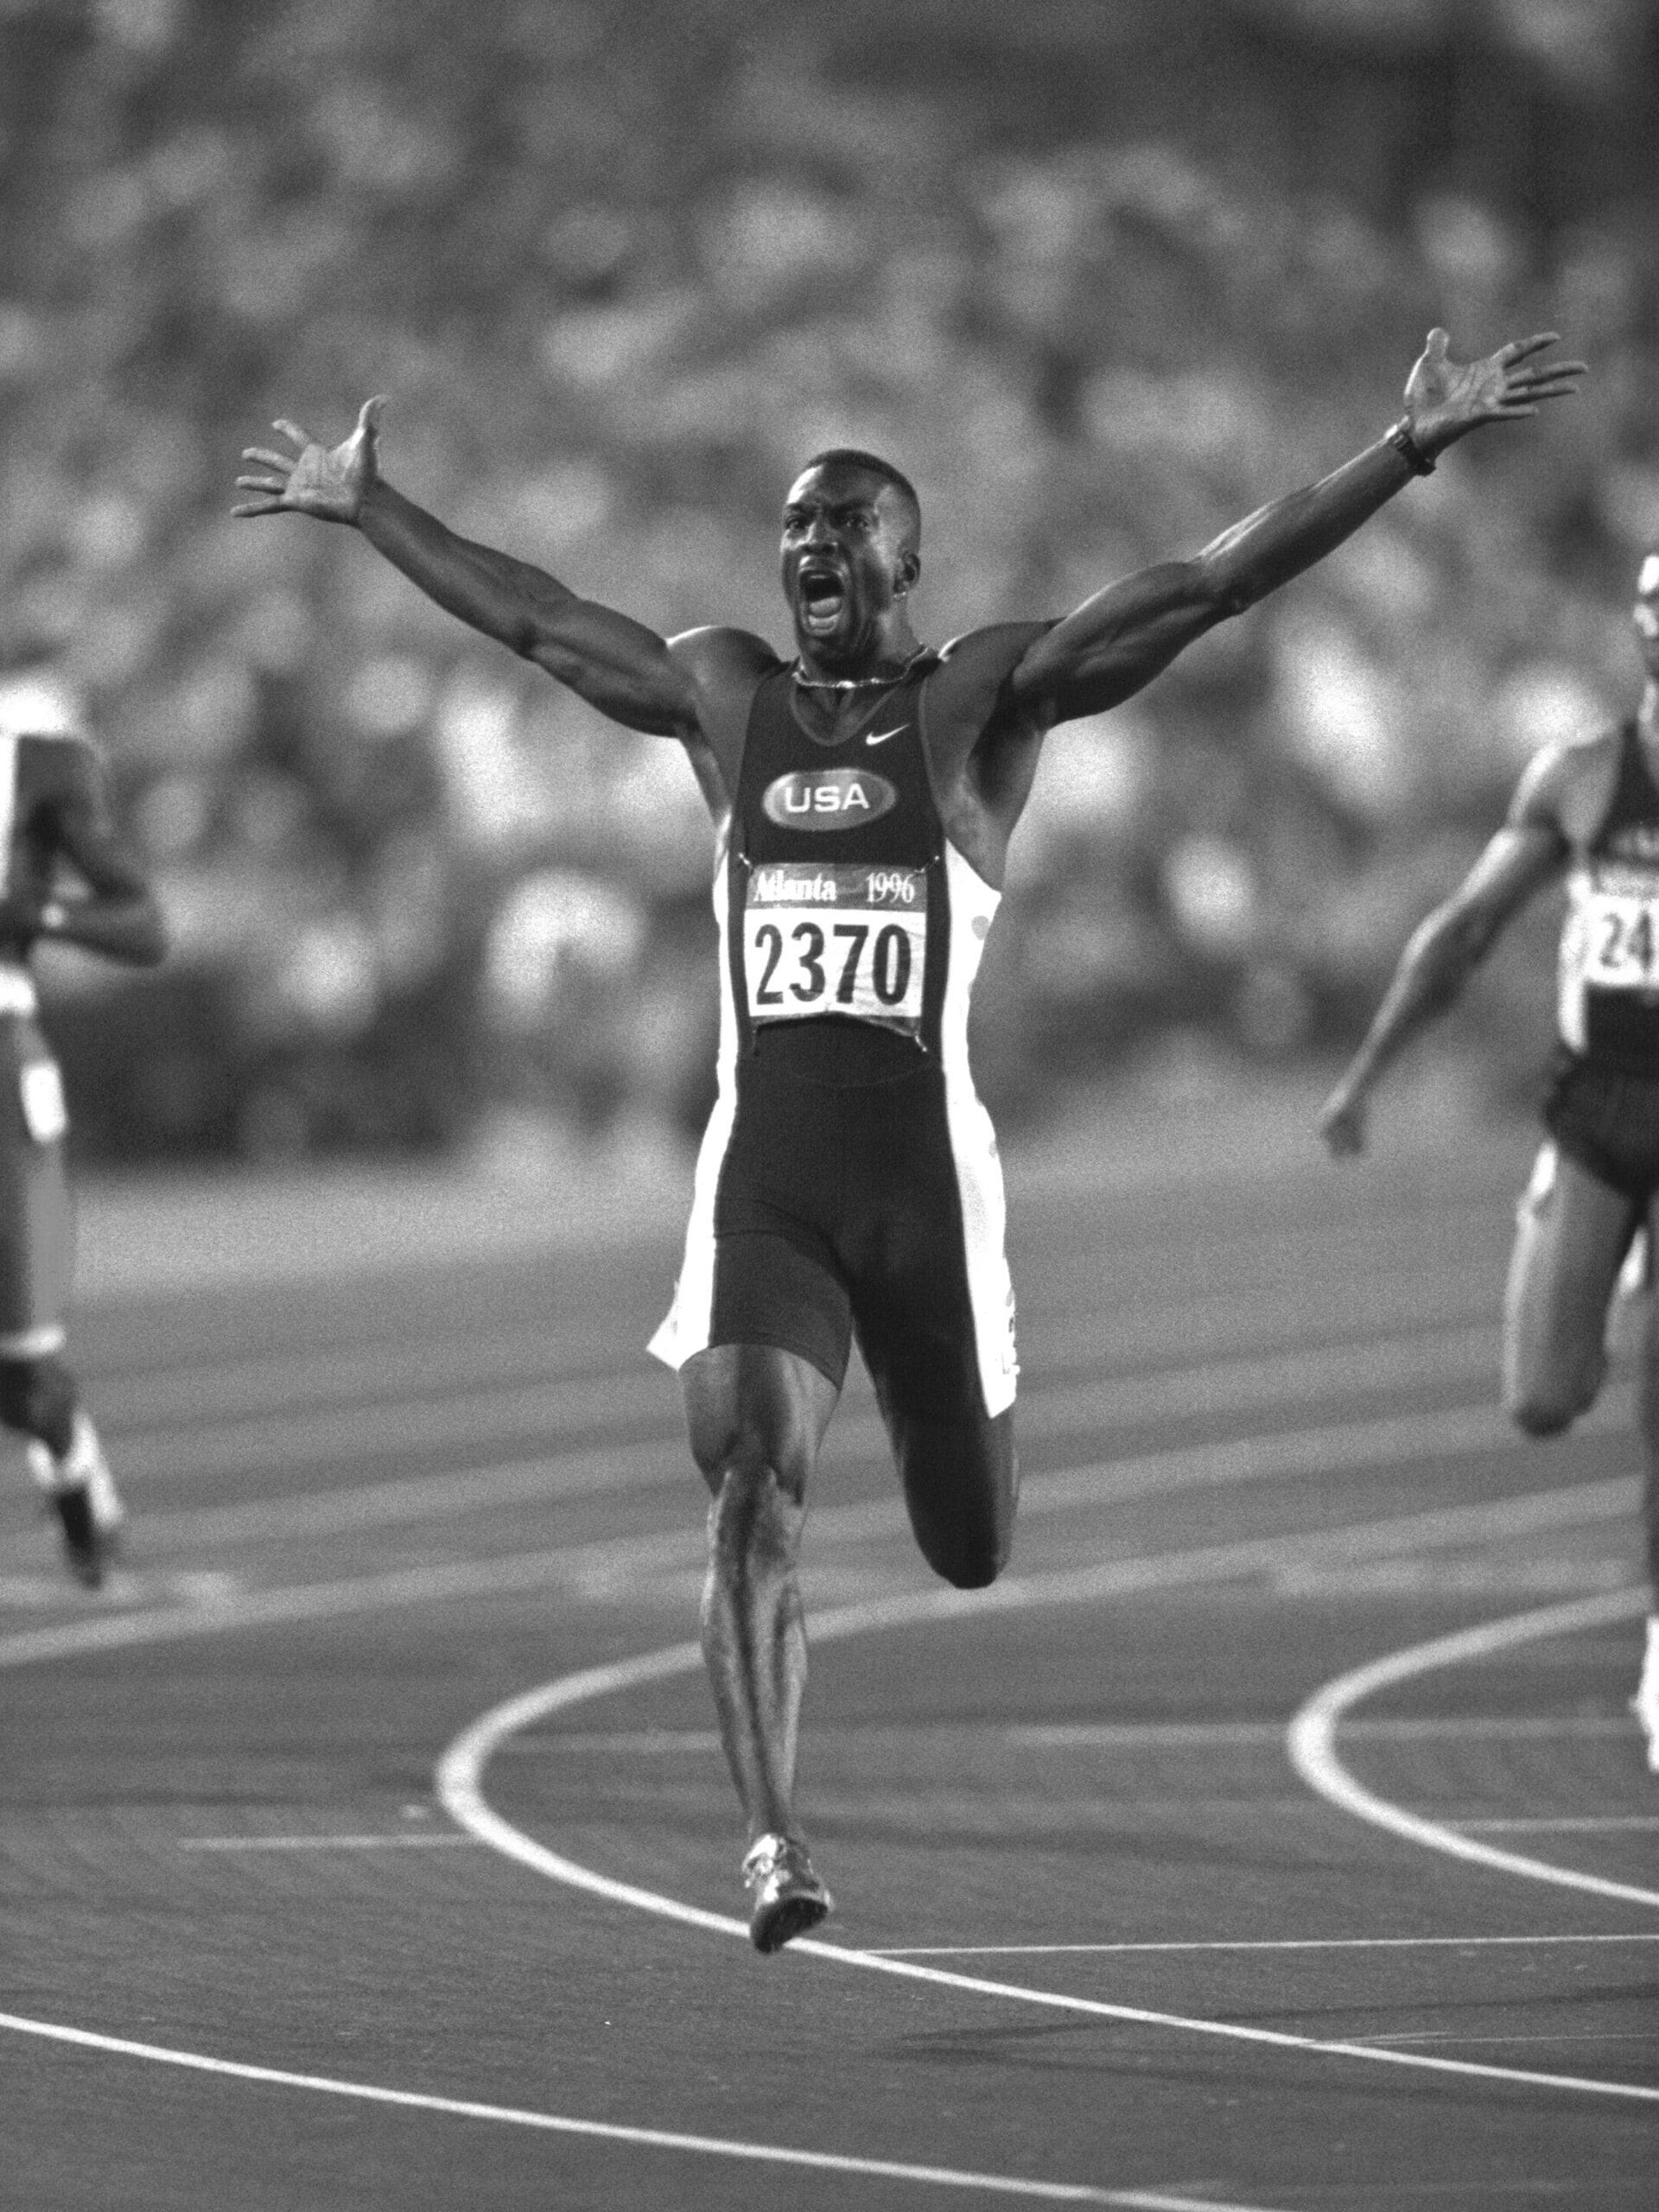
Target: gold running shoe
<point>789,1897</point>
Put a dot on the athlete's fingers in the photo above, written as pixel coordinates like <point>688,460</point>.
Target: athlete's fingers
<point>258,507</point>
<point>1550,373</point>
<point>368,415</point>
<point>265,458</point>
<point>1519,348</point>
<point>293,430</point>
<point>261,484</point>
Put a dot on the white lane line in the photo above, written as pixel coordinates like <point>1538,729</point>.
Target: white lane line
<point>259,1443</point>
<point>153,1397</point>
<point>1107,1735</point>
<point>1392,1441</point>
<point>1203,1735</point>
<point>460,1789</point>
<point>1063,1336</point>
<point>588,1570</point>
<point>1578,1824</point>
<point>652,2138</point>
<point>321,1842</point>
<point>612,1569</point>
<point>1227,1387</point>
<point>1311,1744</point>
<point>1644,2036</point>
<point>1259,1943</point>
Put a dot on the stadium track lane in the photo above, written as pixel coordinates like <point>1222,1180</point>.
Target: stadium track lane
<point>743,2037</point>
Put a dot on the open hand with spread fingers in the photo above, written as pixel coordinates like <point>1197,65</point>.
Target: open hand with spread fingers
<point>328,482</point>
<point>1447,399</point>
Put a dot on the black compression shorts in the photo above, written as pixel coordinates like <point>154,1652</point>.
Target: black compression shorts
<point>1608,1121</point>
<point>838,1213</point>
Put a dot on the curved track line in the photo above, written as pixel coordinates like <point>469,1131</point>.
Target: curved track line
<point>1310,1740</point>
<point>1130,2200</point>
<point>459,1783</point>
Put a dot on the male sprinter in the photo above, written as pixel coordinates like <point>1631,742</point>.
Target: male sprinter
<point>54,820</point>
<point>864,791</point>
<point>1588,808</point>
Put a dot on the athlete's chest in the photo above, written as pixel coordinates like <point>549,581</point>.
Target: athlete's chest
<point>827,772</point>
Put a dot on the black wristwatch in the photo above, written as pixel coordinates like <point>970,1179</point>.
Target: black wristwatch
<point>1410,452</point>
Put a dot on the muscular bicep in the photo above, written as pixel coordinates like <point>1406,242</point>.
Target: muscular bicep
<point>615,663</point>
<point>1117,641</point>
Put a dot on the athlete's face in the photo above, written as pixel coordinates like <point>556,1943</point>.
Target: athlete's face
<point>1645,614</point>
<point>848,557</point>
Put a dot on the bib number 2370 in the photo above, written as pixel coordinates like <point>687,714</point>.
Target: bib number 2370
<point>842,939</point>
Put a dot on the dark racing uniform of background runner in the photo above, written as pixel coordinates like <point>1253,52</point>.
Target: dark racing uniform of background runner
<point>1603,1107</point>
<point>1588,810</point>
<point>848,1183</point>
<point>54,816</point>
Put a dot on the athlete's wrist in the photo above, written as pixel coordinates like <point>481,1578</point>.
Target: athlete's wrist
<point>1406,444</point>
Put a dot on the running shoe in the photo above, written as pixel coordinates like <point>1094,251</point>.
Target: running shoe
<point>89,1513</point>
<point>789,1898</point>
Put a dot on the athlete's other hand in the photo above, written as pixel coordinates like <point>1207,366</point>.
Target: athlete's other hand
<point>328,481</point>
<point>1342,1122</point>
<point>1447,399</point>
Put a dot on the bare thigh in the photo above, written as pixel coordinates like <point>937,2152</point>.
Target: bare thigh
<point>1572,1234</point>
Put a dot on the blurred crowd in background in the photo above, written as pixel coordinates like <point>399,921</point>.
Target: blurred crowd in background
<point>1101,276</point>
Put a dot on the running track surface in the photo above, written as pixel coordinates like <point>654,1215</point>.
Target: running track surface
<point>1274,1836</point>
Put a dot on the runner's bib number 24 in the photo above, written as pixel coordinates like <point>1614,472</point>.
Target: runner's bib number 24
<point>842,938</point>
<point>1621,942</point>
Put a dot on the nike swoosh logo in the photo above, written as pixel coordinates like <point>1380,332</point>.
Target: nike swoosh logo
<point>882,736</point>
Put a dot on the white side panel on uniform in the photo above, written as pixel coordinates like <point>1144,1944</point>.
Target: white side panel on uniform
<point>686,1328</point>
<point>8,807</point>
<point>973,1141</point>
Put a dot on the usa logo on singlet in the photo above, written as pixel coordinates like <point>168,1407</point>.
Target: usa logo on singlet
<point>827,798</point>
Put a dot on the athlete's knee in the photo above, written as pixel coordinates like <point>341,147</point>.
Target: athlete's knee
<point>968,1555</point>
<point>970,1565</point>
<point>755,1524</point>
<point>962,1487</point>
<point>38,1397</point>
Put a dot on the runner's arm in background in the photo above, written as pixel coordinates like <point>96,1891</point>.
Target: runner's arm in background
<point>1117,641</point>
<point>114,913</point>
<point>618,665</point>
<point>1449,944</point>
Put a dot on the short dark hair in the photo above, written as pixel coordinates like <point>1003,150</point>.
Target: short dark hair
<point>855,457</point>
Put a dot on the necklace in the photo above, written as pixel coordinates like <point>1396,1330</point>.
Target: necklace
<point>805,682</point>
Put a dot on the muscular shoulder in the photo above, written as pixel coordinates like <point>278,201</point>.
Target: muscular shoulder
<point>989,656</point>
<point>725,667</point>
<point>714,656</point>
<point>969,693</point>
<point>1567,787</point>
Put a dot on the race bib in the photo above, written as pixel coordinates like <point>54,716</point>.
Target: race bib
<point>841,938</point>
<point>46,1116</point>
<point>1621,941</point>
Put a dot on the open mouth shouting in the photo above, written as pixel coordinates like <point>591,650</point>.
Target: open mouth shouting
<point>823,600</point>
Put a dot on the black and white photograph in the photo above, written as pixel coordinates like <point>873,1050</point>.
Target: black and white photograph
<point>828,1105</point>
